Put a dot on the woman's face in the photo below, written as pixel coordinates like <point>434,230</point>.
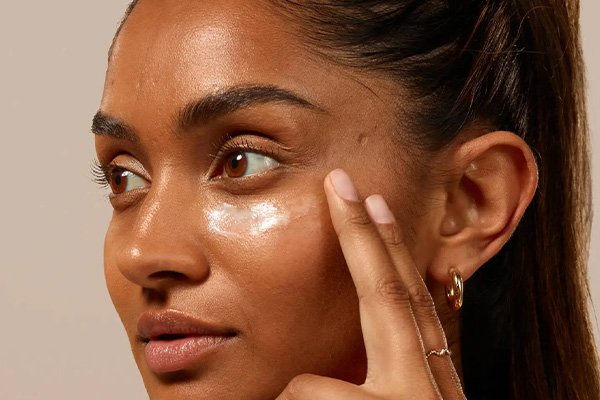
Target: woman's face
<point>220,127</point>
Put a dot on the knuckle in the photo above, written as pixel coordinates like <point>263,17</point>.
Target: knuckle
<point>420,296</point>
<point>392,237</point>
<point>355,225</point>
<point>298,386</point>
<point>391,291</point>
<point>358,219</point>
<point>422,302</point>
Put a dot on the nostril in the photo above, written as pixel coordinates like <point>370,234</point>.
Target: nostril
<point>159,267</point>
<point>171,275</point>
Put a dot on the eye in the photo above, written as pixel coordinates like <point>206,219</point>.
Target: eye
<point>246,163</point>
<point>122,180</point>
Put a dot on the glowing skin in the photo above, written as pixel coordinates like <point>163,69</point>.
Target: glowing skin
<point>252,252</point>
<point>255,219</point>
<point>257,254</point>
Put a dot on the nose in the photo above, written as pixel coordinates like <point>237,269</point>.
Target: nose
<point>160,244</point>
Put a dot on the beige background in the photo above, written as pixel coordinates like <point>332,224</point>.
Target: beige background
<point>60,338</point>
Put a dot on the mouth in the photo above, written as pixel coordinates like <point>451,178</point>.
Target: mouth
<point>174,341</point>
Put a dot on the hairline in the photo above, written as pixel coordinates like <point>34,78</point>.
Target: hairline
<point>124,19</point>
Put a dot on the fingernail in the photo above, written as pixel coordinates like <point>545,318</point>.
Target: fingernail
<point>343,185</point>
<point>378,210</point>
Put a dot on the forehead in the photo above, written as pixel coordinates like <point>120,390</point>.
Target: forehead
<point>171,53</point>
<point>175,50</point>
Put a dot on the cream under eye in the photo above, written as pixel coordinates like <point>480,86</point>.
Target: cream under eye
<point>246,163</point>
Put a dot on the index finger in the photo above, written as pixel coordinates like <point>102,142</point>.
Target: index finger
<point>394,349</point>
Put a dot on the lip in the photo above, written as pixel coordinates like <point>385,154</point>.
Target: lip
<point>174,341</point>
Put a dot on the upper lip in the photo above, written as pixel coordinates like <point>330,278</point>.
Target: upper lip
<point>171,324</point>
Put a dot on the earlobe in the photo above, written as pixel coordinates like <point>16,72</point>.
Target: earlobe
<point>496,182</point>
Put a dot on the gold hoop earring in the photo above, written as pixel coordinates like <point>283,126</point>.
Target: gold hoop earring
<point>454,291</point>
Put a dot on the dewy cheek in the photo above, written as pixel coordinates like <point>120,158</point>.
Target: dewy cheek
<point>254,219</point>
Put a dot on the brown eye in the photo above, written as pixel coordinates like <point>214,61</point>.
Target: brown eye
<point>122,181</point>
<point>236,164</point>
<point>118,180</point>
<point>246,163</point>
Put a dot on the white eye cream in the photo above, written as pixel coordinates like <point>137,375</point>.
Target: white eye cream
<point>254,219</point>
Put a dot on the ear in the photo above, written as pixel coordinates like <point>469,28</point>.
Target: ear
<point>496,180</point>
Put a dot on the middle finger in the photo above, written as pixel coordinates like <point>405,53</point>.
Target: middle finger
<point>392,340</point>
<point>423,307</point>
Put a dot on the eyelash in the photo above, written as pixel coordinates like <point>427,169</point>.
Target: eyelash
<point>101,172</point>
<point>228,145</point>
<point>231,143</point>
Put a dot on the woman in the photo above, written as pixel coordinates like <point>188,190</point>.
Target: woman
<point>283,173</point>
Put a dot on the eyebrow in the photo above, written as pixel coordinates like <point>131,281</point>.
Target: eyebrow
<point>106,125</point>
<point>236,98</point>
<point>210,107</point>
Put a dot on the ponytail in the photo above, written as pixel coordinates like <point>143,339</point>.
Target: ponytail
<point>533,296</point>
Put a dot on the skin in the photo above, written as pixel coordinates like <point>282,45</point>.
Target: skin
<point>289,279</point>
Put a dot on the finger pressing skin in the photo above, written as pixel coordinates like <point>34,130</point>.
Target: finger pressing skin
<point>313,387</point>
<point>423,307</point>
<point>392,340</point>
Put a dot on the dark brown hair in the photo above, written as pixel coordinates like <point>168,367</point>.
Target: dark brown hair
<point>517,65</point>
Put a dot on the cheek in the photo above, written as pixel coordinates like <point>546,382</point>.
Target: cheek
<point>278,271</point>
<point>294,287</point>
<point>279,250</point>
<point>120,289</point>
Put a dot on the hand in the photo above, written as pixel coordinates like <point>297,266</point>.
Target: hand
<point>398,317</point>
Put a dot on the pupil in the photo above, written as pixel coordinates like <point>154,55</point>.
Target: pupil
<point>235,163</point>
<point>118,180</point>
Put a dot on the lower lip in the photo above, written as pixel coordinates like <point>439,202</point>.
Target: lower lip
<point>164,356</point>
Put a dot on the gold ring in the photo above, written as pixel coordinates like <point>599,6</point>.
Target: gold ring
<point>439,353</point>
